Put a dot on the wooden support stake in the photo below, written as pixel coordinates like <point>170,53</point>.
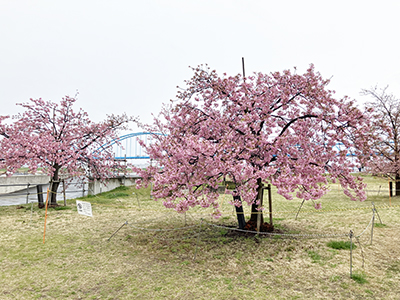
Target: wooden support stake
<point>259,209</point>
<point>270,203</point>
<point>45,216</point>
<point>65,198</point>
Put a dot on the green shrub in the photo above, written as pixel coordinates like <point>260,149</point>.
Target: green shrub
<point>314,256</point>
<point>359,278</point>
<point>379,225</point>
<point>340,245</point>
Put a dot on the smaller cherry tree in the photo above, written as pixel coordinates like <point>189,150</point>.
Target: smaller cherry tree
<point>279,129</point>
<point>53,137</point>
<point>385,157</point>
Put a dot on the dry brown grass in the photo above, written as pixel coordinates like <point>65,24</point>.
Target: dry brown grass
<point>78,262</point>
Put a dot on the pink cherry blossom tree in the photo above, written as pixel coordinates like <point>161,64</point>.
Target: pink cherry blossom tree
<point>279,129</point>
<point>386,124</point>
<point>59,140</point>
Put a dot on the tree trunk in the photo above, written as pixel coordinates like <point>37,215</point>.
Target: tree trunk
<point>55,182</point>
<point>40,196</point>
<point>53,193</point>
<point>397,185</point>
<point>257,216</point>
<point>239,213</point>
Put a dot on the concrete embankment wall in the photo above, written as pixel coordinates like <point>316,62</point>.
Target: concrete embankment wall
<point>96,187</point>
<point>20,182</point>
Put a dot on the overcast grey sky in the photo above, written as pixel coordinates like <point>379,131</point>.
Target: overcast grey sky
<point>129,56</point>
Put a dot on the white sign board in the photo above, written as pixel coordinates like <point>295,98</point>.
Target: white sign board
<point>84,208</point>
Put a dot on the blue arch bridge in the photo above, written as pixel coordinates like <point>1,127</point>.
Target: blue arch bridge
<point>129,147</point>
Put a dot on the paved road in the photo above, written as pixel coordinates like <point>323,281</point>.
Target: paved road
<point>21,197</point>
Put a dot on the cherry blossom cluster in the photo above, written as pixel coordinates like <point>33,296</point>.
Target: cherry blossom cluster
<point>53,137</point>
<point>279,128</point>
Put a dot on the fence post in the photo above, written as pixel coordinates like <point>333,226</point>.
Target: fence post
<point>377,212</point>
<point>27,192</point>
<point>351,252</point>
<point>270,203</point>
<point>45,216</point>
<point>65,198</point>
<point>30,222</point>
<point>373,223</point>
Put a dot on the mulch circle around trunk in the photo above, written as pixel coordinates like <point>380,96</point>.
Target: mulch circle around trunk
<point>264,227</point>
<point>251,228</point>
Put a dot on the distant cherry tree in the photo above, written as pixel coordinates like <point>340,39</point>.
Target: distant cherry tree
<point>280,129</point>
<point>58,140</point>
<point>385,159</point>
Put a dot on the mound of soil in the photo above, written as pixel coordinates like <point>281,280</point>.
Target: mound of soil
<point>264,227</point>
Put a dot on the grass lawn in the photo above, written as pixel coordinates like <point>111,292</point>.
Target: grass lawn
<point>159,254</point>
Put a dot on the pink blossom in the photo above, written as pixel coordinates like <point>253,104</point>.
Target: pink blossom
<point>317,205</point>
<point>61,141</point>
<point>279,129</point>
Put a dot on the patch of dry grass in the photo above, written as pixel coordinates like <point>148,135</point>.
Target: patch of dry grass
<point>199,260</point>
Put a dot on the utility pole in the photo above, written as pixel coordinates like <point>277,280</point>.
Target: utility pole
<point>244,74</point>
